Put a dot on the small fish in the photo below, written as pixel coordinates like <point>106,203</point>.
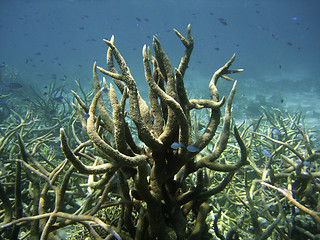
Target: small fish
<point>276,132</point>
<point>223,21</point>
<point>85,116</point>
<point>2,103</point>
<point>12,85</point>
<point>2,65</point>
<point>116,235</point>
<point>192,149</point>
<point>307,164</point>
<point>176,145</point>
<point>275,36</point>
<point>58,100</point>
<point>52,112</point>
<point>267,153</point>
<point>152,118</point>
<point>115,180</point>
<point>181,177</point>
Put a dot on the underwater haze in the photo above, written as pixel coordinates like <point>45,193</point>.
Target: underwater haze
<point>90,150</point>
<point>276,43</point>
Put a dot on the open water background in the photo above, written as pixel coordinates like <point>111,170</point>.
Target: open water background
<point>276,42</point>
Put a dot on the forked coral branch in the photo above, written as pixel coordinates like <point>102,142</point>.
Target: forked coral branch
<point>288,195</point>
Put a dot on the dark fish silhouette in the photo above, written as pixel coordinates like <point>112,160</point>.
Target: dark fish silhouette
<point>223,21</point>
<point>58,99</point>
<point>12,86</point>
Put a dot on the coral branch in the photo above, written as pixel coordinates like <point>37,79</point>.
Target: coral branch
<point>288,195</point>
<point>141,170</point>
<point>108,167</point>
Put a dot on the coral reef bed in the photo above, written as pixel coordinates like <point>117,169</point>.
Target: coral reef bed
<point>166,168</point>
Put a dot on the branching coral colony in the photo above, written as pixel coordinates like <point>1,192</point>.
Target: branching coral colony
<point>155,174</point>
<point>153,153</point>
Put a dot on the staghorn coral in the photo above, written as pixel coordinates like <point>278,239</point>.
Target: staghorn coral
<point>155,172</point>
<point>167,171</point>
<point>157,169</point>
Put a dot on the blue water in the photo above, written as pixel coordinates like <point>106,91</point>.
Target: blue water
<point>276,42</point>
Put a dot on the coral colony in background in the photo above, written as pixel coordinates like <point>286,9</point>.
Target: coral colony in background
<point>170,167</point>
